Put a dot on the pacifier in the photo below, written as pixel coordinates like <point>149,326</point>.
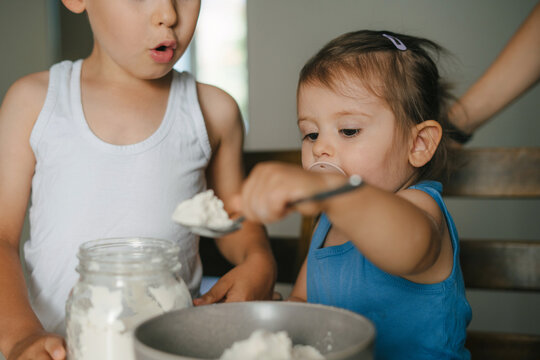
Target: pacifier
<point>323,166</point>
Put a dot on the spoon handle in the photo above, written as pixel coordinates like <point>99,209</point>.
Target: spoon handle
<point>355,181</point>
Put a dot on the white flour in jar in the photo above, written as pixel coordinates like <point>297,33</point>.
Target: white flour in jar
<point>265,345</point>
<point>204,209</point>
<point>101,331</point>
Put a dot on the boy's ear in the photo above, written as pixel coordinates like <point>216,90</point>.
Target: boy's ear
<point>425,139</point>
<point>76,6</point>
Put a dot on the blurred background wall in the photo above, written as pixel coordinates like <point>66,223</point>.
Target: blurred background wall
<point>282,35</point>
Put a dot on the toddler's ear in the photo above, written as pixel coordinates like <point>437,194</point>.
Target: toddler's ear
<point>76,6</point>
<point>426,137</point>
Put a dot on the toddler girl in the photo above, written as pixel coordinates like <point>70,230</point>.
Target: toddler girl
<point>371,103</point>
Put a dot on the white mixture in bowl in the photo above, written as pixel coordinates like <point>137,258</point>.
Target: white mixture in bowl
<point>265,345</point>
<point>204,210</point>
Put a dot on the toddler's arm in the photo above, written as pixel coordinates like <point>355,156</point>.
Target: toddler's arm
<point>255,272</point>
<point>21,334</point>
<point>299,291</point>
<point>402,233</point>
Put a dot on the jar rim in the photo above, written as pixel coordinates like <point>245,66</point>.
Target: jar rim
<point>128,255</point>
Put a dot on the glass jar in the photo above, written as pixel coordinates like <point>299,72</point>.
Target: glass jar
<point>122,283</point>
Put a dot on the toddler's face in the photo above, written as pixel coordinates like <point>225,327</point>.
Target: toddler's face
<point>356,133</point>
<point>144,37</point>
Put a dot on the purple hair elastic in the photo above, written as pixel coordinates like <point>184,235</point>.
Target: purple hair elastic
<point>397,43</point>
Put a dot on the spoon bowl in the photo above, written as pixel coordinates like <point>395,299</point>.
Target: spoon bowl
<point>213,232</point>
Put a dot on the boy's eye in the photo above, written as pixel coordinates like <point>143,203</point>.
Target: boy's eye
<point>311,136</point>
<point>350,132</point>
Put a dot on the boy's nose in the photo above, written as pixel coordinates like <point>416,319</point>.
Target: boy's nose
<point>165,13</point>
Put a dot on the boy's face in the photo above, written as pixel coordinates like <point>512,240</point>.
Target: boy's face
<point>144,37</point>
<point>357,133</point>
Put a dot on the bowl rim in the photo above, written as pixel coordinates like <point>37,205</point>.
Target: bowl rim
<point>353,349</point>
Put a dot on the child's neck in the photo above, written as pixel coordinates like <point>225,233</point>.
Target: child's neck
<point>102,69</point>
<point>409,181</point>
<point>121,109</point>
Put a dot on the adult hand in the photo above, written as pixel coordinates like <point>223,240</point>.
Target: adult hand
<point>39,346</point>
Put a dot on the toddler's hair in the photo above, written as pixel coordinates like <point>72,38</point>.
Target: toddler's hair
<point>397,68</point>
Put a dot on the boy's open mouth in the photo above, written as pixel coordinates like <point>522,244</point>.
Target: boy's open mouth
<point>164,52</point>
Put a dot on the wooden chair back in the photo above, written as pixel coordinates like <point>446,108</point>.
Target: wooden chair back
<point>493,264</point>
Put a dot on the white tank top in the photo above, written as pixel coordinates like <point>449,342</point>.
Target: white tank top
<point>84,188</point>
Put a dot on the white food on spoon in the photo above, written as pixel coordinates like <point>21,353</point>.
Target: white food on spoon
<point>203,210</point>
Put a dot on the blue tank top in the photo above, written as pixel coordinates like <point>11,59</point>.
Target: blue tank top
<point>413,321</point>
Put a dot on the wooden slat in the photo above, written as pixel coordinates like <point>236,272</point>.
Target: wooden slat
<point>214,264</point>
<point>501,264</point>
<point>496,172</point>
<point>251,158</point>
<point>481,172</point>
<point>501,346</point>
<point>284,249</point>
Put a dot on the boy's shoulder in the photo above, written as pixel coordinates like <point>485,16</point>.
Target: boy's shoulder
<point>221,102</point>
<point>220,111</point>
<point>26,95</point>
<point>18,114</point>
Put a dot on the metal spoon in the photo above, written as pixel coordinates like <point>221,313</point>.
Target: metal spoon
<point>354,182</point>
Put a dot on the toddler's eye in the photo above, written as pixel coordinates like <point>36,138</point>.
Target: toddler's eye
<point>350,132</point>
<point>311,136</point>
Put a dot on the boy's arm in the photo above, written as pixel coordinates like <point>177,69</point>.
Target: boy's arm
<point>21,334</point>
<point>254,276</point>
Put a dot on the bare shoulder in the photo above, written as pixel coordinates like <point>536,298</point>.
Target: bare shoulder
<point>32,88</point>
<point>220,112</point>
<point>426,203</point>
<point>215,101</point>
<point>20,108</point>
<point>443,260</point>
<point>18,114</point>
<point>24,99</point>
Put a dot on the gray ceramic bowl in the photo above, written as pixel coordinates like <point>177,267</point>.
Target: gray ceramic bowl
<point>205,332</point>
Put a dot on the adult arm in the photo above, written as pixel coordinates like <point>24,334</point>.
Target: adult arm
<point>21,334</point>
<point>514,71</point>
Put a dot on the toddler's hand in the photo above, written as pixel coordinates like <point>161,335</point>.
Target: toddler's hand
<point>40,345</point>
<point>269,189</point>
